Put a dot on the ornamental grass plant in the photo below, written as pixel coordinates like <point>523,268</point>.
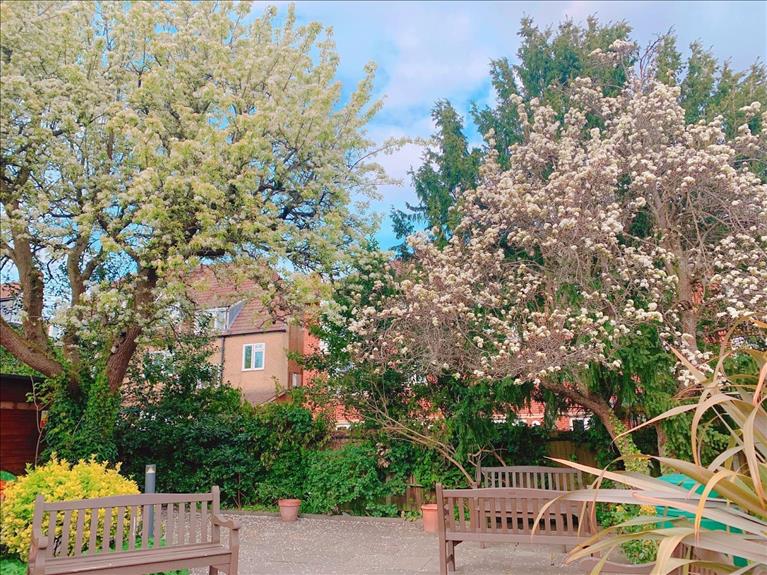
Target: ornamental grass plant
<point>719,525</point>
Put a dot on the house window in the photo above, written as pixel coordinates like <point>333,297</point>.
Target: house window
<point>579,423</point>
<point>215,319</point>
<point>253,356</point>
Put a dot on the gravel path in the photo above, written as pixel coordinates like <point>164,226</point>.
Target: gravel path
<point>369,546</point>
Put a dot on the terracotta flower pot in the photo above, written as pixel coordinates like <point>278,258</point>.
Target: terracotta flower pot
<point>289,509</point>
<point>429,512</point>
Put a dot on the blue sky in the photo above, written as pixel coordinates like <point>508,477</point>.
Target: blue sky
<point>431,50</point>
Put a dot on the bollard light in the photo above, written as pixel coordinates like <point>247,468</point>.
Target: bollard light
<point>150,474</point>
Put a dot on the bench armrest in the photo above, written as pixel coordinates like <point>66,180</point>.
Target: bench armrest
<point>232,524</point>
<point>39,540</point>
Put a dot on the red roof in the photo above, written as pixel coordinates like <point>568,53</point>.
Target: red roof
<point>214,287</point>
<point>9,290</point>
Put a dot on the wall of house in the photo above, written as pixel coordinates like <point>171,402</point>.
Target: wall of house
<point>296,335</point>
<point>262,385</point>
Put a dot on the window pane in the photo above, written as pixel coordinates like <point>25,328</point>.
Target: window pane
<point>220,320</point>
<point>259,357</point>
<point>247,357</point>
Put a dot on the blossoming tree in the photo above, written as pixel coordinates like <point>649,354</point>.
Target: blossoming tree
<point>618,216</point>
<point>140,141</point>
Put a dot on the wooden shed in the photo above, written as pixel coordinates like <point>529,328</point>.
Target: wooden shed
<point>20,423</point>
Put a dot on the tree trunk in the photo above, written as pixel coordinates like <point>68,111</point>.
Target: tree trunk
<point>662,438</point>
<point>625,445</point>
<point>119,360</point>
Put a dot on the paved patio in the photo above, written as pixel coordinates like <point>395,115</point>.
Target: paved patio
<point>360,546</point>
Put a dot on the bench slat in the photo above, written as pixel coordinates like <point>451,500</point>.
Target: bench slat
<point>120,527</point>
<point>169,524</point>
<point>145,526</point>
<point>105,563</point>
<point>126,500</point>
<point>204,522</point>
<point>79,532</point>
<point>106,539</point>
<point>157,529</point>
<point>51,533</point>
<point>65,528</point>
<point>193,523</point>
<point>132,510</point>
<point>94,530</point>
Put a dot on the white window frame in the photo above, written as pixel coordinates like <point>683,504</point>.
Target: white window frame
<point>255,348</point>
<point>586,422</point>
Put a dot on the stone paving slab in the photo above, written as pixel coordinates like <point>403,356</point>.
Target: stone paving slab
<point>370,546</point>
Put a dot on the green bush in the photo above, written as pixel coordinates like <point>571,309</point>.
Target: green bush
<point>200,432</point>
<point>57,480</point>
<point>346,478</point>
<point>637,550</point>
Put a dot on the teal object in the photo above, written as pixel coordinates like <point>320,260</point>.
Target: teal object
<point>688,483</point>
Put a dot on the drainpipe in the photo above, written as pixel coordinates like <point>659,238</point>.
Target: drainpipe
<point>221,362</point>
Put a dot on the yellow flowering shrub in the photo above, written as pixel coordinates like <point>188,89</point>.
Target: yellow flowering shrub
<point>57,480</point>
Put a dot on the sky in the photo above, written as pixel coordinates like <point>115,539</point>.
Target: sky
<point>426,51</point>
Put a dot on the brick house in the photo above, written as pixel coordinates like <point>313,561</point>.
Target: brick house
<point>10,302</point>
<point>250,345</point>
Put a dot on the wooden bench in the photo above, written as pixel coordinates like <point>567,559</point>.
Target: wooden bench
<point>132,535</point>
<point>530,477</point>
<point>509,516</point>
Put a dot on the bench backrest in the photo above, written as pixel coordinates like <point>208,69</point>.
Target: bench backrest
<point>513,512</point>
<point>530,477</point>
<point>127,522</point>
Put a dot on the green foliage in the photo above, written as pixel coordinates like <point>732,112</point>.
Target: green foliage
<point>346,478</point>
<point>448,425</point>
<point>12,566</point>
<point>638,550</point>
<point>546,63</point>
<point>447,169</point>
<point>82,425</point>
<point>57,480</point>
<point>200,432</point>
<point>9,364</point>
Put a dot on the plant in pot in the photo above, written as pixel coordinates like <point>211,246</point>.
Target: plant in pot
<point>286,492</point>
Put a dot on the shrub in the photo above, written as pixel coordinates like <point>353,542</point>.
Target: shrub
<point>200,432</point>
<point>57,480</point>
<point>349,476</point>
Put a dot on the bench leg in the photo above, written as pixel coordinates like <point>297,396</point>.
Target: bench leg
<point>451,556</point>
<point>212,570</point>
<point>442,557</point>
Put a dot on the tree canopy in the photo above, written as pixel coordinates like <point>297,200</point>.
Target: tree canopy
<point>140,141</point>
<point>546,63</point>
<point>616,216</point>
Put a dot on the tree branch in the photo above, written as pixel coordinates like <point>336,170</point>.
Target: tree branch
<point>27,352</point>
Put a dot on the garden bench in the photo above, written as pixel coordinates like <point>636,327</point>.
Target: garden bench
<point>508,515</point>
<point>530,477</point>
<point>132,535</point>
